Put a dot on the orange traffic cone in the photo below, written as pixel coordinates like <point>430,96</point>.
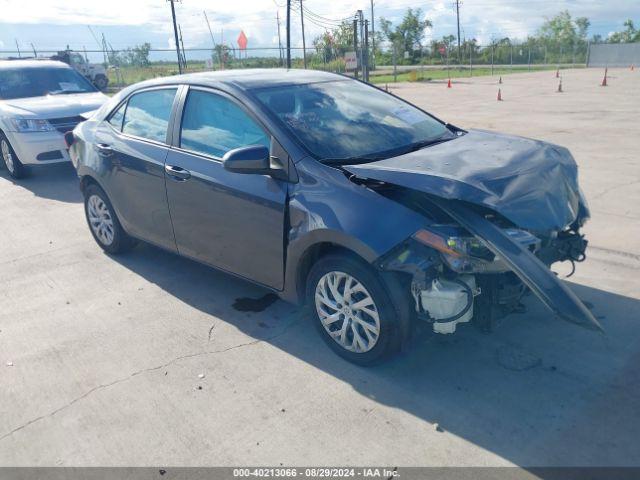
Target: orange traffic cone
<point>604,79</point>
<point>449,84</point>
<point>558,73</point>
<point>500,80</point>
<point>559,87</point>
<point>499,95</point>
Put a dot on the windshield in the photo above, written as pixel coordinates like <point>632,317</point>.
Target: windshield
<point>40,81</point>
<point>345,121</point>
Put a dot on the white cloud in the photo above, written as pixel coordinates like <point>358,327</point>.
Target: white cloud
<point>482,19</point>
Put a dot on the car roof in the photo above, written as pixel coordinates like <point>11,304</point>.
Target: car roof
<point>32,63</point>
<point>247,79</point>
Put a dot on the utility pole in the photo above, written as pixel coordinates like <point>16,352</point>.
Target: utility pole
<point>279,41</point>
<point>288,33</point>
<point>373,38</point>
<point>361,20</point>
<point>458,19</point>
<point>304,45</point>
<point>105,50</point>
<point>175,33</point>
<point>355,44</point>
<point>365,67</point>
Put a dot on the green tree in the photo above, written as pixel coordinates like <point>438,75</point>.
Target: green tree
<point>408,35</point>
<point>333,44</point>
<point>629,35</point>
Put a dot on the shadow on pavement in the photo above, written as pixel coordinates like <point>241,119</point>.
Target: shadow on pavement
<point>537,392</point>
<point>56,182</point>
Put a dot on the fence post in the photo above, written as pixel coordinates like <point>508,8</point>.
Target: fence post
<point>492,59</point>
<point>586,60</point>
<point>529,57</point>
<point>395,69</point>
<point>512,55</point>
<point>470,60</point>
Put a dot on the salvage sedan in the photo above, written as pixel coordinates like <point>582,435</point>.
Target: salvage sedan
<point>337,194</point>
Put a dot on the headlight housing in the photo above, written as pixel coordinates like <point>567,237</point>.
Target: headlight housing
<point>24,125</point>
<point>464,253</point>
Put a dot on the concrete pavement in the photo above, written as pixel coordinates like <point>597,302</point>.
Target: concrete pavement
<point>107,351</point>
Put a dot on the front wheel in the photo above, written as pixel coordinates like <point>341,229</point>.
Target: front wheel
<point>352,310</point>
<point>103,222</point>
<point>11,161</point>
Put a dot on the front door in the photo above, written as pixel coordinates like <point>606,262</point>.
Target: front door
<point>229,220</point>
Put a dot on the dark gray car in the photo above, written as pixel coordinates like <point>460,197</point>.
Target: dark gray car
<point>332,192</point>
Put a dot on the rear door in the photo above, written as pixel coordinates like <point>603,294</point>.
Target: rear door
<point>232,221</point>
<point>133,145</point>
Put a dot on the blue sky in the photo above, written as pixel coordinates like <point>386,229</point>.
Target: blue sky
<point>49,24</point>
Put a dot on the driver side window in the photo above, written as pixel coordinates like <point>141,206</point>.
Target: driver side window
<point>213,125</point>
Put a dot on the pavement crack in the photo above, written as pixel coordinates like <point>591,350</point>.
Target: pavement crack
<point>211,331</point>
<point>148,370</point>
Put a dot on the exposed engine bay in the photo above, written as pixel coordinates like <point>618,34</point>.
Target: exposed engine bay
<point>473,264</point>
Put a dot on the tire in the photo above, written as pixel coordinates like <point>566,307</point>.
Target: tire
<point>368,296</point>
<point>101,82</point>
<point>11,161</point>
<point>103,222</point>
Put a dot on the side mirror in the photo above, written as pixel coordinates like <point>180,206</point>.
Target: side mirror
<point>251,159</point>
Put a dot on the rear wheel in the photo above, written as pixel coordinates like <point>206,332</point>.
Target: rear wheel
<point>103,222</point>
<point>11,161</point>
<point>352,310</point>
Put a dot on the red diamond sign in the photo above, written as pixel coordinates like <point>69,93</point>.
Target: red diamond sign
<point>242,41</point>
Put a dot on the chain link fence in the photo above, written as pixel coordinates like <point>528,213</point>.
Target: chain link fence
<point>131,65</point>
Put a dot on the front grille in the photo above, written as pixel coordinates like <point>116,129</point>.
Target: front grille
<point>66,124</point>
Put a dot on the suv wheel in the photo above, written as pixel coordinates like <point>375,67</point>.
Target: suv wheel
<point>101,82</point>
<point>11,161</point>
<point>103,222</point>
<point>352,309</point>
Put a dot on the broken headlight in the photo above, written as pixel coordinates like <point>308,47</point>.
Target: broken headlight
<point>464,253</point>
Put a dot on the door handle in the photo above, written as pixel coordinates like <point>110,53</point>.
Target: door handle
<point>177,173</point>
<point>104,149</point>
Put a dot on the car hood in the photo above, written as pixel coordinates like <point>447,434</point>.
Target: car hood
<point>53,106</point>
<point>532,183</point>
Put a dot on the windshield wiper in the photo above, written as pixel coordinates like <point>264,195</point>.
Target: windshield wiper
<point>66,92</point>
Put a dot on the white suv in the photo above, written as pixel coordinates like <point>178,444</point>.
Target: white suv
<point>40,101</point>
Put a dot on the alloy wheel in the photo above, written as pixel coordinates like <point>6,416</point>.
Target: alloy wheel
<point>100,219</point>
<point>7,156</point>
<point>347,312</point>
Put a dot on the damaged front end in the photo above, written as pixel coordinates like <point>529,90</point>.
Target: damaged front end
<point>499,210</point>
<point>472,264</point>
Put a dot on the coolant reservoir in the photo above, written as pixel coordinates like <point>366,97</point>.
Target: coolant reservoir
<point>446,299</point>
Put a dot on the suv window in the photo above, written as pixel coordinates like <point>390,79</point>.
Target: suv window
<point>213,125</point>
<point>148,113</point>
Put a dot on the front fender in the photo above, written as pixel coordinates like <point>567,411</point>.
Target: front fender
<point>325,207</point>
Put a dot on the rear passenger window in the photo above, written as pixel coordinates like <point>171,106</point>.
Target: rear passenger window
<point>117,116</point>
<point>147,114</point>
<point>213,125</point>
